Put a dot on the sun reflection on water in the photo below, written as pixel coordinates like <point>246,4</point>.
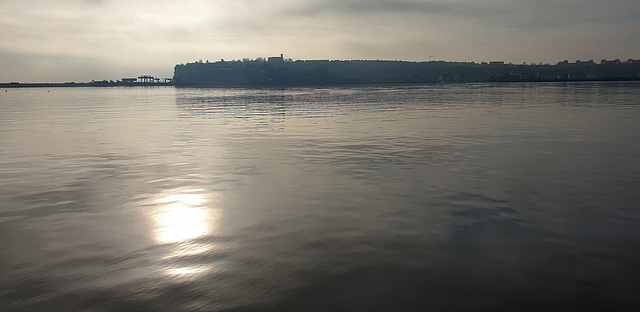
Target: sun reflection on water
<point>176,222</point>
<point>188,271</point>
<point>189,249</point>
<point>180,217</point>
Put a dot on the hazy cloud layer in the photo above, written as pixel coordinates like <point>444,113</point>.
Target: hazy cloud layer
<point>110,39</point>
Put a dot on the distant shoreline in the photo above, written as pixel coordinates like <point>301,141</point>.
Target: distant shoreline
<point>81,84</point>
<point>281,72</point>
<point>142,84</point>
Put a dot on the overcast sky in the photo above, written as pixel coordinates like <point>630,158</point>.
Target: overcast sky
<point>81,40</point>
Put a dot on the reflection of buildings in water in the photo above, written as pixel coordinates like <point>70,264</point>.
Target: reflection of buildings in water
<point>241,103</point>
<point>180,217</point>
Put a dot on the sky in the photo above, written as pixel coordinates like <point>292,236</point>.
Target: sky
<point>84,40</point>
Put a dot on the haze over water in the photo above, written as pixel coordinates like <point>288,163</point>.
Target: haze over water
<point>389,198</point>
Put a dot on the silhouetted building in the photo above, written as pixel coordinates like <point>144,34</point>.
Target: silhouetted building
<point>605,62</point>
<point>276,59</point>
<point>148,78</point>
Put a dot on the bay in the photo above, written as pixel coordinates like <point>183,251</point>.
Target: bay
<point>405,197</point>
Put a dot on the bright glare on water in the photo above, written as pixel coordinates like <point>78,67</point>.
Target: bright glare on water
<point>378,198</point>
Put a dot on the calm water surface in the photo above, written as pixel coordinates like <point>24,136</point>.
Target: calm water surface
<point>395,198</point>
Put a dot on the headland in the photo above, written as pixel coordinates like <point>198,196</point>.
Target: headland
<point>281,71</point>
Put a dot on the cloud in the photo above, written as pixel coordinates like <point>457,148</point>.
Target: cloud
<point>517,13</point>
<point>154,35</point>
<point>360,7</point>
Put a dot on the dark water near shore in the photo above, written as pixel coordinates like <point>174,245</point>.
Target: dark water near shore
<point>395,198</point>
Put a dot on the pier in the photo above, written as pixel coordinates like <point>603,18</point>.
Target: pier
<point>143,81</point>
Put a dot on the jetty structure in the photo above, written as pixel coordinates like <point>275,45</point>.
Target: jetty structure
<point>277,70</point>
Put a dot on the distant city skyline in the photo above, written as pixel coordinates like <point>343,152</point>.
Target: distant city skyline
<point>82,40</point>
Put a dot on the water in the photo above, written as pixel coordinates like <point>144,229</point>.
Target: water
<point>387,198</point>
